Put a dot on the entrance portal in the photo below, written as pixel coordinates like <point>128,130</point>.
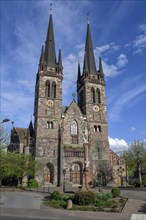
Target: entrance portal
<point>76,173</point>
<point>49,173</point>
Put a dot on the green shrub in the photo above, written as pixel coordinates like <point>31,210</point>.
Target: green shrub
<point>104,196</point>
<point>102,203</point>
<point>55,203</point>
<point>32,183</point>
<point>115,192</point>
<point>144,180</point>
<point>84,198</point>
<point>19,185</point>
<point>56,195</point>
<point>99,196</point>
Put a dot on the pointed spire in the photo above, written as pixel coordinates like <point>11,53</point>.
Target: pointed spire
<point>42,58</point>
<point>50,54</point>
<point>89,53</point>
<point>60,58</point>
<point>79,72</point>
<point>100,66</point>
<point>30,129</point>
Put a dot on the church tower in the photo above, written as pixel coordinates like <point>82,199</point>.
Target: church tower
<point>91,100</point>
<point>48,109</point>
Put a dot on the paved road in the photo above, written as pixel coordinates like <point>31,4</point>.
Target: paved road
<point>24,218</point>
<point>26,206</point>
<point>27,200</point>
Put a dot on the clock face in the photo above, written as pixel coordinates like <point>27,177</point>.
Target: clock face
<point>50,103</point>
<point>96,108</point>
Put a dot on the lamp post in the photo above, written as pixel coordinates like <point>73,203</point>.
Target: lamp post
<point>64,173</point>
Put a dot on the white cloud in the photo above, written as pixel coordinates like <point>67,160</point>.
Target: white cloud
<point>139,43</point>
<point>107,48</point>
<point>124,99</point>
<point>132,129</point>
<point>112,70</point>
<point>117,145</point>
<point>122,60</point>
<point>142,27</point>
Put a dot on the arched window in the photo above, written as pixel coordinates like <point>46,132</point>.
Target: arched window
<point>47,90</point>
<point>53,89</point>
<point>93,95</point>
<point>74,132</point>
<point>49,125</point>
<point>99,128</point>
<point>95,128</point>
<point>74,128</point>
<point>98,96</point>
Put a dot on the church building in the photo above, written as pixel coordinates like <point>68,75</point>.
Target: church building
<point>60,133</point>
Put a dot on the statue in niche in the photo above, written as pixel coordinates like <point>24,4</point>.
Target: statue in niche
<point>85,135</point>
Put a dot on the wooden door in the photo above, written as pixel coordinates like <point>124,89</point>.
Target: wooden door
<point>46,175</point>
<point>76,174</point>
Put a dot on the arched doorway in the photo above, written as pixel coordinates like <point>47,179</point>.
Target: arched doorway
<point>76,173</point>
<point>49,173</point>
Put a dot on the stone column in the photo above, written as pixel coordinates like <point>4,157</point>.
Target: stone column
<point>85,186</point>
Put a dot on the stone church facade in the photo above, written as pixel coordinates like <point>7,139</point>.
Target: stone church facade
<point>57,139</point>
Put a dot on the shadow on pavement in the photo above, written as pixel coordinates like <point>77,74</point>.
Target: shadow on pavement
<point>142,209</point>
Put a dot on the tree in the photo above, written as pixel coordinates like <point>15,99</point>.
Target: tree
<point>4,137</point>
<point>104,173</point>
<point>16,165</point>
<point>135,158</point>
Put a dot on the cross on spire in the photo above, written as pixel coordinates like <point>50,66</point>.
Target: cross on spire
<point>51,7</point>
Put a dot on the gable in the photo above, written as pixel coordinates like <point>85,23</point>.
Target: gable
<point>74,110</point>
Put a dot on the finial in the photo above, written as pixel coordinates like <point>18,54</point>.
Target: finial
<point>74,95</point>
<point>51,8</point>
<point>88,17</point>
<point>12,124</point>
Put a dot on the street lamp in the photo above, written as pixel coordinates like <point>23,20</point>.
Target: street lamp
<point>64,173</point>
<point>4,120</point>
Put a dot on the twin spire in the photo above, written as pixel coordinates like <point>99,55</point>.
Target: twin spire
<point>48,54</point>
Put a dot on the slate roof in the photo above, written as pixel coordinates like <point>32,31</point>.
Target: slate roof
<point>21,132</point>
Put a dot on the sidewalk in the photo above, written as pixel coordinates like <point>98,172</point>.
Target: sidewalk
<point>132,207</point>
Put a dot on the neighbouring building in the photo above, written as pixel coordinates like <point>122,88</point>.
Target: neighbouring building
<point>57,137</point>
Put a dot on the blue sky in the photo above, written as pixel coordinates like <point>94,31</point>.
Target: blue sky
<point>118,31</point>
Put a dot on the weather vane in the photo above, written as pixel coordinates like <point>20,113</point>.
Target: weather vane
<point>88,17</point>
